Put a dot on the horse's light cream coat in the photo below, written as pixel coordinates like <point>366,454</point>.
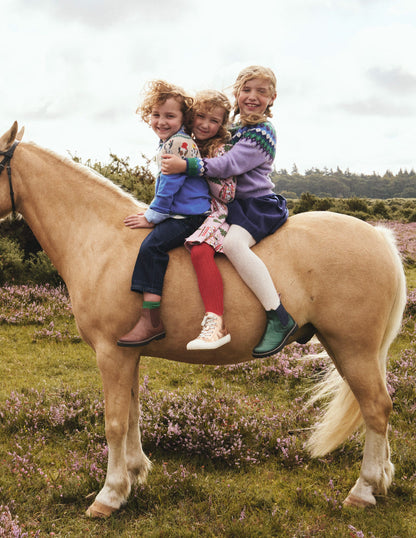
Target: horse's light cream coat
<point>335,273</point>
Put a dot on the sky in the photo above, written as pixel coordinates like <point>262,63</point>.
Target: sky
<point>73,72</point>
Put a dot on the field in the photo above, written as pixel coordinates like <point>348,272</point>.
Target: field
<point>226,442</point>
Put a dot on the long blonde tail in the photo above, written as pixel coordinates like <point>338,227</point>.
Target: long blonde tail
<point>342,415</point>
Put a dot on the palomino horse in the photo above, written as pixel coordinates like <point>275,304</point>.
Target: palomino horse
<point>340,278</point>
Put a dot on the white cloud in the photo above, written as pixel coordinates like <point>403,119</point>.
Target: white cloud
<point>394,79</point>
<point>73,71</point>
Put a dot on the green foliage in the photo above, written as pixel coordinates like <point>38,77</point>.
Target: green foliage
<point>11,260</point>
<point>36,268</point>
<point>357,204</point>
<point>21,234</point>
<point>380,210</point>
<point>306,203</point>
<point>39,270</point>
<point>339,184</point>
<point>397,209</point>
<point>137,180</point>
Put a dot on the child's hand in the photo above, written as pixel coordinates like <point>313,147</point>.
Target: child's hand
<point>172,164</point>
<point>138,221</point>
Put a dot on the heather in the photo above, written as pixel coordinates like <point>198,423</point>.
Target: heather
<point>226,442</point>
<point>32,304</point>
<point>406,240</point>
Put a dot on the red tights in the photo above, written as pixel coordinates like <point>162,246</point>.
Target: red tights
<point>209,278</point>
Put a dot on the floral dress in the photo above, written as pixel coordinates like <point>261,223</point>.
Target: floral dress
<point>214,228</point>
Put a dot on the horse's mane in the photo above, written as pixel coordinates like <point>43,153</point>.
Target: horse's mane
<point>90,174</point>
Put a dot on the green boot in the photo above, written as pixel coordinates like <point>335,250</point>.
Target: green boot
<point>280,326</point>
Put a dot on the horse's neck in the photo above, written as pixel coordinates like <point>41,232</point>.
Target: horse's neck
<point>67,207</point>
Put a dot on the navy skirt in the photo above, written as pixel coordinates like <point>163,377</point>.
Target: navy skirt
<point>259,216</point>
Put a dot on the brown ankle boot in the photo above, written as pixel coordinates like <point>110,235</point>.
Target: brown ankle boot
<point>148,328</point>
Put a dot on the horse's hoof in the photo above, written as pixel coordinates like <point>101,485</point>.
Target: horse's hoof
<point>99,510</point>
<point>357,502</point>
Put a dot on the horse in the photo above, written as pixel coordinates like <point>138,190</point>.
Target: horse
<point>341,278</point>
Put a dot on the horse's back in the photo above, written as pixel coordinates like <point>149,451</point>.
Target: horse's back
<point>326,266</point>
<point>322,263</point>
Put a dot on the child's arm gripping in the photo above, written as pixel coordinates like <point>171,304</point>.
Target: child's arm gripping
<point>240,159</point>
<point>254,147</point>
<point>172,164</point>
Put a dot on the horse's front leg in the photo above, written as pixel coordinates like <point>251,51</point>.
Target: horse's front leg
<point>118,369</point>
<point>138,464</point>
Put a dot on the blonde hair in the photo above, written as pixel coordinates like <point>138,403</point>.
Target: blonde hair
<point>205,101</point>
<point>250,73</point>
<point>157,92</point>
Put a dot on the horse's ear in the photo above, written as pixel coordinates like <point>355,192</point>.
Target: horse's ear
<point>20,134</point>
<point>9,137</point>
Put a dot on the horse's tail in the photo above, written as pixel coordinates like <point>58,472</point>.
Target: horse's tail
<point>342,415</point>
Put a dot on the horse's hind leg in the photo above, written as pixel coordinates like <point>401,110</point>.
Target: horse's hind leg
<point>138,465</point>
<point>377,470</point>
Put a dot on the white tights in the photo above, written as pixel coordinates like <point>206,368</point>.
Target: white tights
<point>237,247</point>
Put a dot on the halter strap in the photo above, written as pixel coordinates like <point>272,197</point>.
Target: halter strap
<point>5,163</point>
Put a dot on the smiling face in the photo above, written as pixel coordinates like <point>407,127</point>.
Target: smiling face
<point>207,122</point>
<point>254,97</point>
<point>166,119</point>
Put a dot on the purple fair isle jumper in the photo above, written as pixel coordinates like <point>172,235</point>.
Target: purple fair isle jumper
<point>250,160</point>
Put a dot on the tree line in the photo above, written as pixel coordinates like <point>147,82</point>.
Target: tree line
<point>344,184</point>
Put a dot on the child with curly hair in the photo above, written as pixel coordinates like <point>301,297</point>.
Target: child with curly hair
<point>179,207</point>
<point>210,130</point>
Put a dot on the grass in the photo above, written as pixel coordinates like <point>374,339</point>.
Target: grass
<point>411,278</point>
<point>245,473</point>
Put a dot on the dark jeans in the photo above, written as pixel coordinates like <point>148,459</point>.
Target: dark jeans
<point>152,261</point>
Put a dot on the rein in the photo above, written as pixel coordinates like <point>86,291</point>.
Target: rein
<point>5,163</point>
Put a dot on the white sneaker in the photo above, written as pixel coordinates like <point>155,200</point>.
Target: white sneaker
<point>213,334</point>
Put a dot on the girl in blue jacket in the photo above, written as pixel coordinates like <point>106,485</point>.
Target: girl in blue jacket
<point>179,207</point>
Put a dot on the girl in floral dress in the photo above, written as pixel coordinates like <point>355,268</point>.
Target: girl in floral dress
<point>209,127</point>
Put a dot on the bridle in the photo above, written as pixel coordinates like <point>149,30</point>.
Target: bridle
<point>5,163</point>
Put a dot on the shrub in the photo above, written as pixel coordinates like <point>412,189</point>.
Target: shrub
<point>322,204</point>
<point>137,180</point>
<point>11,261</point>
<point>357,204</point>
<point>412,217</point>
<point>380,210</point>
<point>14,268</point>
<point>306,203</point>
<point>41,271</point>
